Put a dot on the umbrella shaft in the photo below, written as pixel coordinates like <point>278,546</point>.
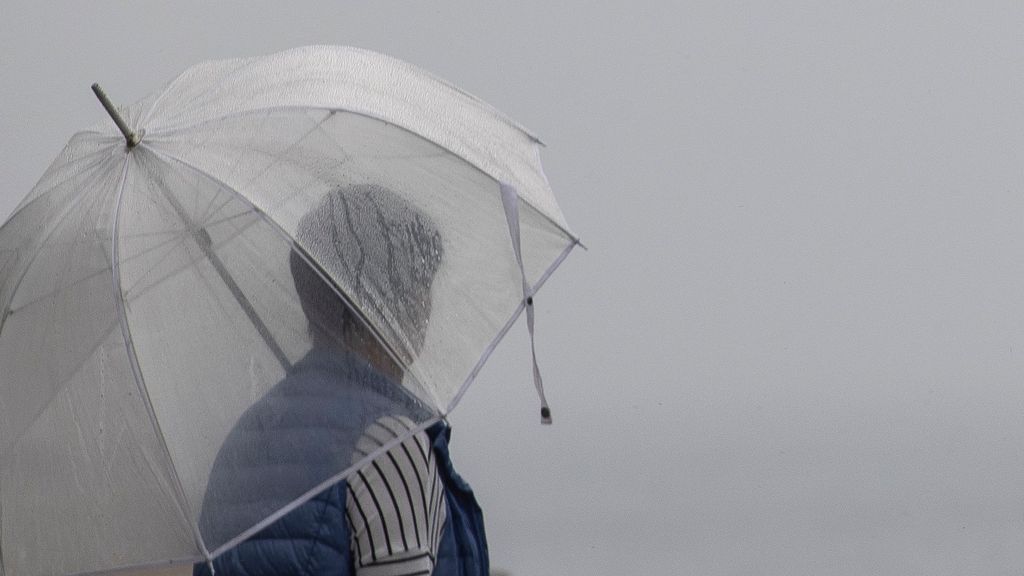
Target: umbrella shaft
<point>129,135</point>
<point>205,243</point>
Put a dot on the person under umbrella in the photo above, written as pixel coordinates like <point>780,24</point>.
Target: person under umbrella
<point>407,512</point>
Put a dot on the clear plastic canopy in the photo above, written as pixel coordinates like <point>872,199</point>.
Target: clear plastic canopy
<point>195,332</point>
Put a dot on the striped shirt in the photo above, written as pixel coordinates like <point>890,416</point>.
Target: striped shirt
<point>395,504</point>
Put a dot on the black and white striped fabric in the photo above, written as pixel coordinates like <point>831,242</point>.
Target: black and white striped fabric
<point>395,504</point>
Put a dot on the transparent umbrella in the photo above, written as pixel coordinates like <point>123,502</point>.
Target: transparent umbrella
<point>167,274</point>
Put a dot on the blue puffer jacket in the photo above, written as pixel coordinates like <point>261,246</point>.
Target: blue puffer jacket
<point>312,406</point>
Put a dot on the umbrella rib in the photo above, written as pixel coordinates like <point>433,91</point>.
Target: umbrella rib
<point>275,156</point>
<point>91,276</point>
<point>286,108</point>
<point>170,130</point>
<point>57,185</point>
<point>102,335</point>
<point>178,238</point>
<point>42,245</point>
<point>504,330</point>
<point>205,243</point>
<point>3,319</point>
<point>259,129</point>
<point>62,385</point>
<point>190,263</point>
<point>278,156</point>
<point>193,260</point>
<point>242,64</point>
<point>226,219</point>
<point>171,245</point>
<point>209,210</point>
<point>177,242</point>
<point>56,223</point>
<point>133,360</point>
<point>307,259</point>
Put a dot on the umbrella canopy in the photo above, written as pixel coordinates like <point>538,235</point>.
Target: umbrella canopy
<point>158,287</point>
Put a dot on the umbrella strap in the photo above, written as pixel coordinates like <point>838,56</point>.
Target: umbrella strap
<point>510,199</point>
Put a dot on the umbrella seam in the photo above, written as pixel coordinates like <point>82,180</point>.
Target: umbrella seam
<point>22,207</point>
<point>56,224</point>
<point>21,434</point>
<point>245,62</point>
<point>179,490</point>
<point>167,131</point>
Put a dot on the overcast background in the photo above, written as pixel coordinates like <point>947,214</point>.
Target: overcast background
<point>796,344</point>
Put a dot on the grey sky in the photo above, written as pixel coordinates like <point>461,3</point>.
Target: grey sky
<point>796,345</point>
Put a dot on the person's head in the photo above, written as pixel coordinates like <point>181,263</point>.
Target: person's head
<point>384,254</point>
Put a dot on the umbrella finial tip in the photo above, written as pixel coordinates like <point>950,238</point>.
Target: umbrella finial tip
<point>545,415</point>
<point>131,137</point>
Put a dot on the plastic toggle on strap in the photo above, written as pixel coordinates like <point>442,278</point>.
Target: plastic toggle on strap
<point>510,199</point>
